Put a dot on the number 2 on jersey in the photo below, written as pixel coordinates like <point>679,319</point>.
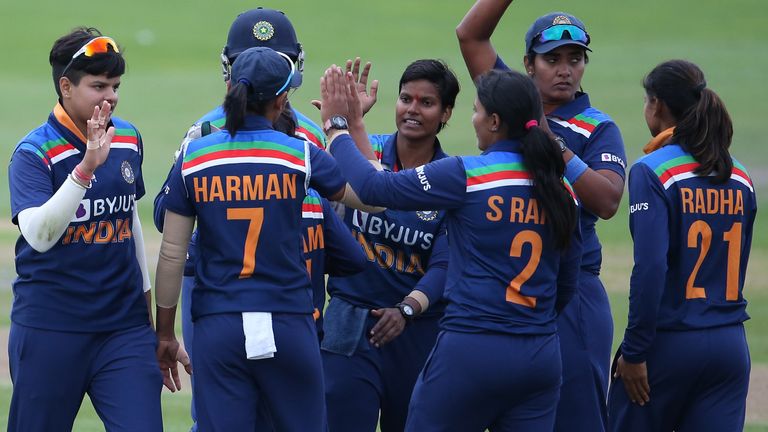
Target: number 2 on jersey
<point>255,217</point>
<point>516,251</point>
<point>733,237</point>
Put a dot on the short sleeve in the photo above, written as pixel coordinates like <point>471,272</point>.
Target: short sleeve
<point>176,196</point>
<point>605,149</point>
<point>140,190</point>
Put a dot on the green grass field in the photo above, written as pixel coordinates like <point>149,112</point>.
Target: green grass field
<point>172,49</point>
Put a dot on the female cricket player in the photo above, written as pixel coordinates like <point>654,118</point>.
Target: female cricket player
<point>684,361</point>
<point>555,57</point>
<point>382,322</point>
<point>328,246</point>
<point>514,253</point>
<point>80,321</point>
<point>255,337</point>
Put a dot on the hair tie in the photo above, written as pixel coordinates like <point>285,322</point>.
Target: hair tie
<point>699,88</point>
<point>244,81</point>
<point>530,124</point>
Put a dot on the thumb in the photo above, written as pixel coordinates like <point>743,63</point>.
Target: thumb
<point>317,104</point>
<point>377,312</point>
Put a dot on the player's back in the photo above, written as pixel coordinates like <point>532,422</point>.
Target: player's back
<point>247,193</point>
<point>710,234</point>
<point>504,263</point>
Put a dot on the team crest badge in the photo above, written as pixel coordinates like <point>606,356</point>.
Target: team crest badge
<point>127,172</point>
<point>560,20</point>
<point>263,31</point>
<point>427,215</point>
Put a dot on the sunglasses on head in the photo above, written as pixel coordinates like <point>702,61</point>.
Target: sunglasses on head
<point>557,32</point>
<point>99,45</point>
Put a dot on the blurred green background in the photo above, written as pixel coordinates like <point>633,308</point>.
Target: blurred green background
<point>173,76</point>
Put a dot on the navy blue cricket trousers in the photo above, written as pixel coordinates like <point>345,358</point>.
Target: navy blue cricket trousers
<point>53,370</point>
<point>231,391</point>
<point>585,328</point>
<point>477,381</point>
<point>374,379</point>
<point>698,379</point>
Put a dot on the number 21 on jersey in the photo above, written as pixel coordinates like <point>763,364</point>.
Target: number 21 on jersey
<point>700,237</point>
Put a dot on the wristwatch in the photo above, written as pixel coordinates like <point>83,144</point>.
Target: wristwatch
<point>406,310</point>
<point>560,141</point>
<point>335,122</point>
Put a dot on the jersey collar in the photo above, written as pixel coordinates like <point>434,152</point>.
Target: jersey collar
<point>506,145</point>
<point>256,122</point>
<point>65,122</point>
<point>572,108</point>
<point>389,152</point>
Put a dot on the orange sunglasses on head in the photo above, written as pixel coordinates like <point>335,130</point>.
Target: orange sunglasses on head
<point>98,45</point>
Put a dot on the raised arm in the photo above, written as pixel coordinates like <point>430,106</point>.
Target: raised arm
<point>474,34</point>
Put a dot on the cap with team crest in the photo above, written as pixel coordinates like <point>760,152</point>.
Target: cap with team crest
<point>262,27</point>
<point>555,30</point>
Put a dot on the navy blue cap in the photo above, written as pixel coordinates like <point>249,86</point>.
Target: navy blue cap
<point>266,72</point>
<point>263,28</point>
<point>532,42</point>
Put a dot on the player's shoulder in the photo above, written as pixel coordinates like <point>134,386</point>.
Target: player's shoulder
<point>120,123</point>
<point>41,140</point>
<point>670,154</point>
<point>308,130</point>
<point>216,117</point>
<point>379,142</point>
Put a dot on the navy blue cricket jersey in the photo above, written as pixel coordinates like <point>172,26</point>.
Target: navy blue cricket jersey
<point>505,275</point>
<point>341,260</point>
<point>338,257</point>
<point>692,241</point>
<point>247,192</point>
<point>90,279</point>
<point>405,250</point>
<point>595,138</point>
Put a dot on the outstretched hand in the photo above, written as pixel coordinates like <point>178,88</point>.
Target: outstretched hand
<point>367,100</point>
<point>99,139</point>
<point>334,93</point>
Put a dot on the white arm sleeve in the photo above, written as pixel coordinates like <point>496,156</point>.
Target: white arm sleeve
<point>43,226</point>
<point>351,200</point>
<point>177,231</point>
<point>141,254</point>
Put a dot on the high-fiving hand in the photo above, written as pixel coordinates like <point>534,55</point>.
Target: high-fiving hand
<point>367,100</point>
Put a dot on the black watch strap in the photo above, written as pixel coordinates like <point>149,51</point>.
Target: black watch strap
<point>406,310</point>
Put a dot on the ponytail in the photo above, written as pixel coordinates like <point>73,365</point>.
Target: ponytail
<point>239,101</point>
<point>703,126</point>
<point>543,159</point>
<point>235,106</point>
<point>706,132</point>
<point>515,99</point>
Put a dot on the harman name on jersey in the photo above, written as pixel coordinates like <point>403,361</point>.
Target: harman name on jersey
<point>247,193</point>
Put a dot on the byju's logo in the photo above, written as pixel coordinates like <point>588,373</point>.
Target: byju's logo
<point>83,212</point>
